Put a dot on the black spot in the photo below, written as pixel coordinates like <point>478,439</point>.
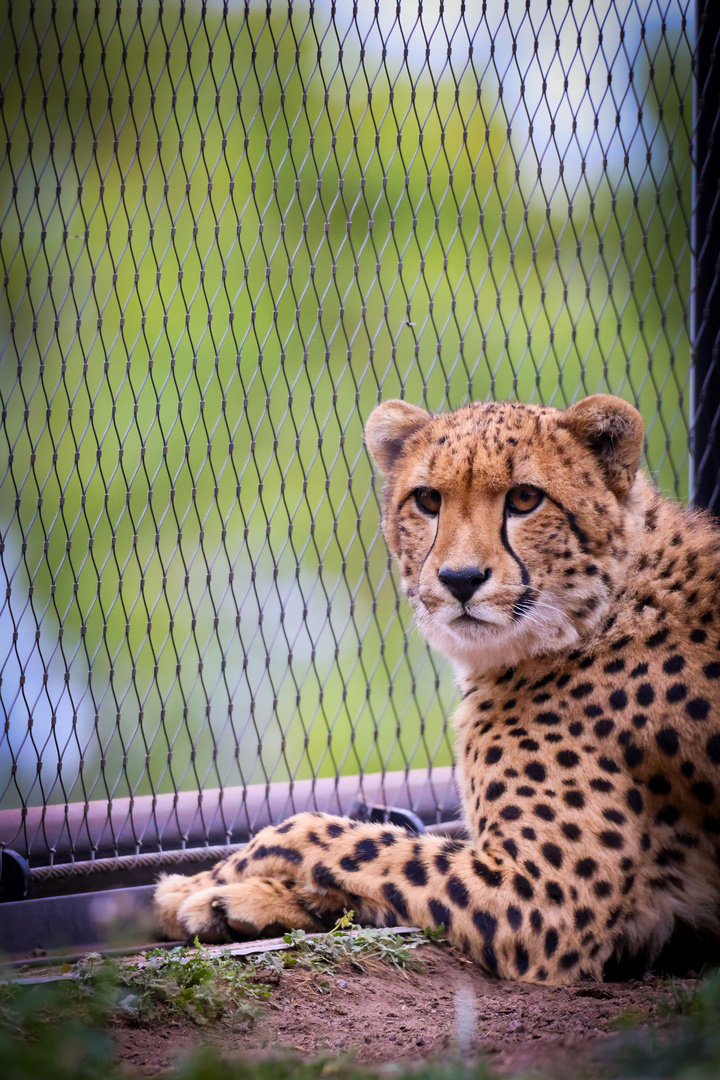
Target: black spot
<point>510,813</point>
<point>712,671</point>
<point>286,827</point>
<point>563,680</point>
<point>457,892</point>
<point>489,959</point>
<point>511,848</point>
<point>542,810</point>
<point>525,791</point>
<point>676,692</point>
<point>618,700</point>
<point>601,785</point>
<point>536,771</point>
<point>494,754</point>
<point>616,816</point>
<point>495,790</point>
<point>603,728</point>
<point>365,851</point>
<point>633,755</point>
<point>324,877</point>
<point>583,917</point>
<point>485,923</point>
<point>659,784</point>
<point>522,887</point>
<point>582,690</point>
<point>667,740</point>
<point>593,710</point>
<point>687,769</point>
<point>576,728</point>
<point>532,868</point>
<point>522,960</point>
<point>669,815</point>
<point>529,833</point>
<point>674,664</point>
<point>639,720</point>
<point>335,830</point>
<point>547,718</point>
<point>553,854</point>
<point>289,854</point>
<point>602,889</point>
<point>645,695</point>
<point>571,830</point>
<point>697,708</point>
<point>415,873</point>
<point>634,800</point>
<point>442,864</point>
<point>641,669</point>
<point>608,765</point>
<point>568,960</point>
<point>536,920</point>
<point>576,799</point>
<point>657,639</point>
<point>703,791</point>
<point>698,636</point>
<point>514,917</point>
<point>712,746</point>
<point>554,893</point>
<point>529,744</point>
<point>585,868</point>
<point>551,942</point>
<point>493,878</point>
<point>393,896</point>
<point>611,838</point>
<point>619,645</point>
<point>614,666</point>
<point>441,914</point>
<point>388,838</point>
<point>567,758</point>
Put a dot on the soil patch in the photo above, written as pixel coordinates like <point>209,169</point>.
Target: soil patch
<point>384,1014</point>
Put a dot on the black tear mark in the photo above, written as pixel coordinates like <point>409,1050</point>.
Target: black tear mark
<point>429,551</point>
<point>528,597</point>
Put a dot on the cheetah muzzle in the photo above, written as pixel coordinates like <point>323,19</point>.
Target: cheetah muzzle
<point>580,611</point>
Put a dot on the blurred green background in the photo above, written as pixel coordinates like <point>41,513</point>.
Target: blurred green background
<point>226,234</point>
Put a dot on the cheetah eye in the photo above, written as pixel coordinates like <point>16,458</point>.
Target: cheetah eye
<point>523,498</point>
<point>428,500</point>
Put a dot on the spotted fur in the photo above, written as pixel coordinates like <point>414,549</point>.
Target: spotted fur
<point>585,634</point>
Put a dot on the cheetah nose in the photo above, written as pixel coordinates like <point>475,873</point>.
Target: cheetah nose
<point>463,583</point>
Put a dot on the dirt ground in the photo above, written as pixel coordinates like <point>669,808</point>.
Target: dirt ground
<point>384,1014</point>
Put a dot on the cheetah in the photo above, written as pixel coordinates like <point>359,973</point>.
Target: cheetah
<point>579,609</point>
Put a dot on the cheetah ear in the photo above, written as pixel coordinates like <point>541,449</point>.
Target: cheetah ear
<point>613,430</point>
<point>387,428</point>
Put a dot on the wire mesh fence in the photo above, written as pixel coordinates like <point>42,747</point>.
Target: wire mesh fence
<point>227,231</point>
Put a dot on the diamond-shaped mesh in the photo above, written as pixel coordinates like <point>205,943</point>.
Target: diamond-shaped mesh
<point>227,232</point>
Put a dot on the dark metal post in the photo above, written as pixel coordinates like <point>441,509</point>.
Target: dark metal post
<point>706,248</point>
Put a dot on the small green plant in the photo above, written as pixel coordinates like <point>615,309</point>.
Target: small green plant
<point>677,999</point>
<point>351,943</point>
<point>182,981</point>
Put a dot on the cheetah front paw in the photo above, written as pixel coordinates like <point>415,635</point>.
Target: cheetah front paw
<point>246,909</point>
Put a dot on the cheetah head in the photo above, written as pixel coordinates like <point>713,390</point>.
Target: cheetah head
<point>513,525</point>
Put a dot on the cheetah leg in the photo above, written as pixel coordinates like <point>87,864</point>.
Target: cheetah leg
<point>387,877</point>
